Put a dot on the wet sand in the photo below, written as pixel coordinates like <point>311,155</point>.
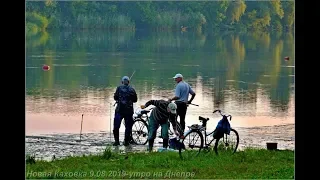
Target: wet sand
<point>62,145</point>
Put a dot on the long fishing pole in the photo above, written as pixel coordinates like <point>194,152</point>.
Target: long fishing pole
<point>187,104</point>
<point>132,75</point>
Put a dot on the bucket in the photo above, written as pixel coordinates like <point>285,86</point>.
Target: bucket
<point>272,146</point>
<point>175,144</point>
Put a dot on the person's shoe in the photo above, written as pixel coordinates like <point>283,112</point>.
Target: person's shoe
<point>127,140</point>
<point>116,137</point>
<point>116,143</point>
<point>165,143</point>
<point>132,142</point>
<point>126,143</point>
<point>150,145</point>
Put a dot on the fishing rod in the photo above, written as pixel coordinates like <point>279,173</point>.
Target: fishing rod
<point>187,103</point>
<point>193,104</point>
<point>132,74</point>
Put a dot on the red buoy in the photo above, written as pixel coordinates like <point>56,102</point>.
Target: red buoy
<point>286,58</point>
<point>46,67</point>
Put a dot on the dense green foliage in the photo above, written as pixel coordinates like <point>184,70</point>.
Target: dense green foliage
<point>161,15</point>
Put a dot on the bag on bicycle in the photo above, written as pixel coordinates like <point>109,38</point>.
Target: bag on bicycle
<point>175,144</point>
<point>223,127</point>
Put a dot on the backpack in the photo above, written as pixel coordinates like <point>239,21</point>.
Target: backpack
<point>125,104</point>
<point>223,127</point>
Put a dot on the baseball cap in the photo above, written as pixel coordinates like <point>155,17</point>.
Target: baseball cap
<point>173,107</point>
<point>177,76</point>
<point>125,78</point>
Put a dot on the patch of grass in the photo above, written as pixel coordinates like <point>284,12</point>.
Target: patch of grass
<point>247,164</point>
<point>107,153</point>
<point>30,159</point>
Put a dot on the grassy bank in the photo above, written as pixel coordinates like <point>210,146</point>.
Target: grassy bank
<point>247,164</point>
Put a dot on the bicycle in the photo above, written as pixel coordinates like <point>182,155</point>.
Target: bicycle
<point>186,150</point>
<point>140,127</point>
<point>140,122</point>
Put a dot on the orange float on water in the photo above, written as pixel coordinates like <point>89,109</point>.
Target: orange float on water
<point>46,67</point>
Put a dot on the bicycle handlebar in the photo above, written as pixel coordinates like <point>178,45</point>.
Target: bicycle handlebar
<point>218,110</point>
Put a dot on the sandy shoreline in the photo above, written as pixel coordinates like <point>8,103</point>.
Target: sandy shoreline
<point>62,145</point>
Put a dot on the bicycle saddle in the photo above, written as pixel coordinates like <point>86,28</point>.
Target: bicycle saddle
<point>203,118</point>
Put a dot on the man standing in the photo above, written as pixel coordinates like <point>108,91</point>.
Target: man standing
<point>125,96</point>
<point>163,111</point>
<point>182,92</point>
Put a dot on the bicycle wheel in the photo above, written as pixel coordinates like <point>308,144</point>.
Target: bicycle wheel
<point>140,132</point>
<point>191,145</point>
<point>227,143</point>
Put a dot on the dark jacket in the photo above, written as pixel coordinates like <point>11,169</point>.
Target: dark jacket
<point>125,96</point>
<point>160,112</point>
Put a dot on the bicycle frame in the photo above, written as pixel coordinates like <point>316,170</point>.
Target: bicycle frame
<point>205,138</point>
<point>200,131</point>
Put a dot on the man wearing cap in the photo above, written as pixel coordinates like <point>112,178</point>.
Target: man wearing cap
<point>182,92</point>
<point>163,111</point>
<point>125,96</point>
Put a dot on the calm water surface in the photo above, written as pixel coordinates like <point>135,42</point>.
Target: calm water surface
<point>243,75</point>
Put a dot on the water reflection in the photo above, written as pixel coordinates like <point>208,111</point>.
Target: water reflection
<point>244,75</point>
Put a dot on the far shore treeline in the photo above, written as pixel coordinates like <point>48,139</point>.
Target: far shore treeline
<point>239,15</point>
